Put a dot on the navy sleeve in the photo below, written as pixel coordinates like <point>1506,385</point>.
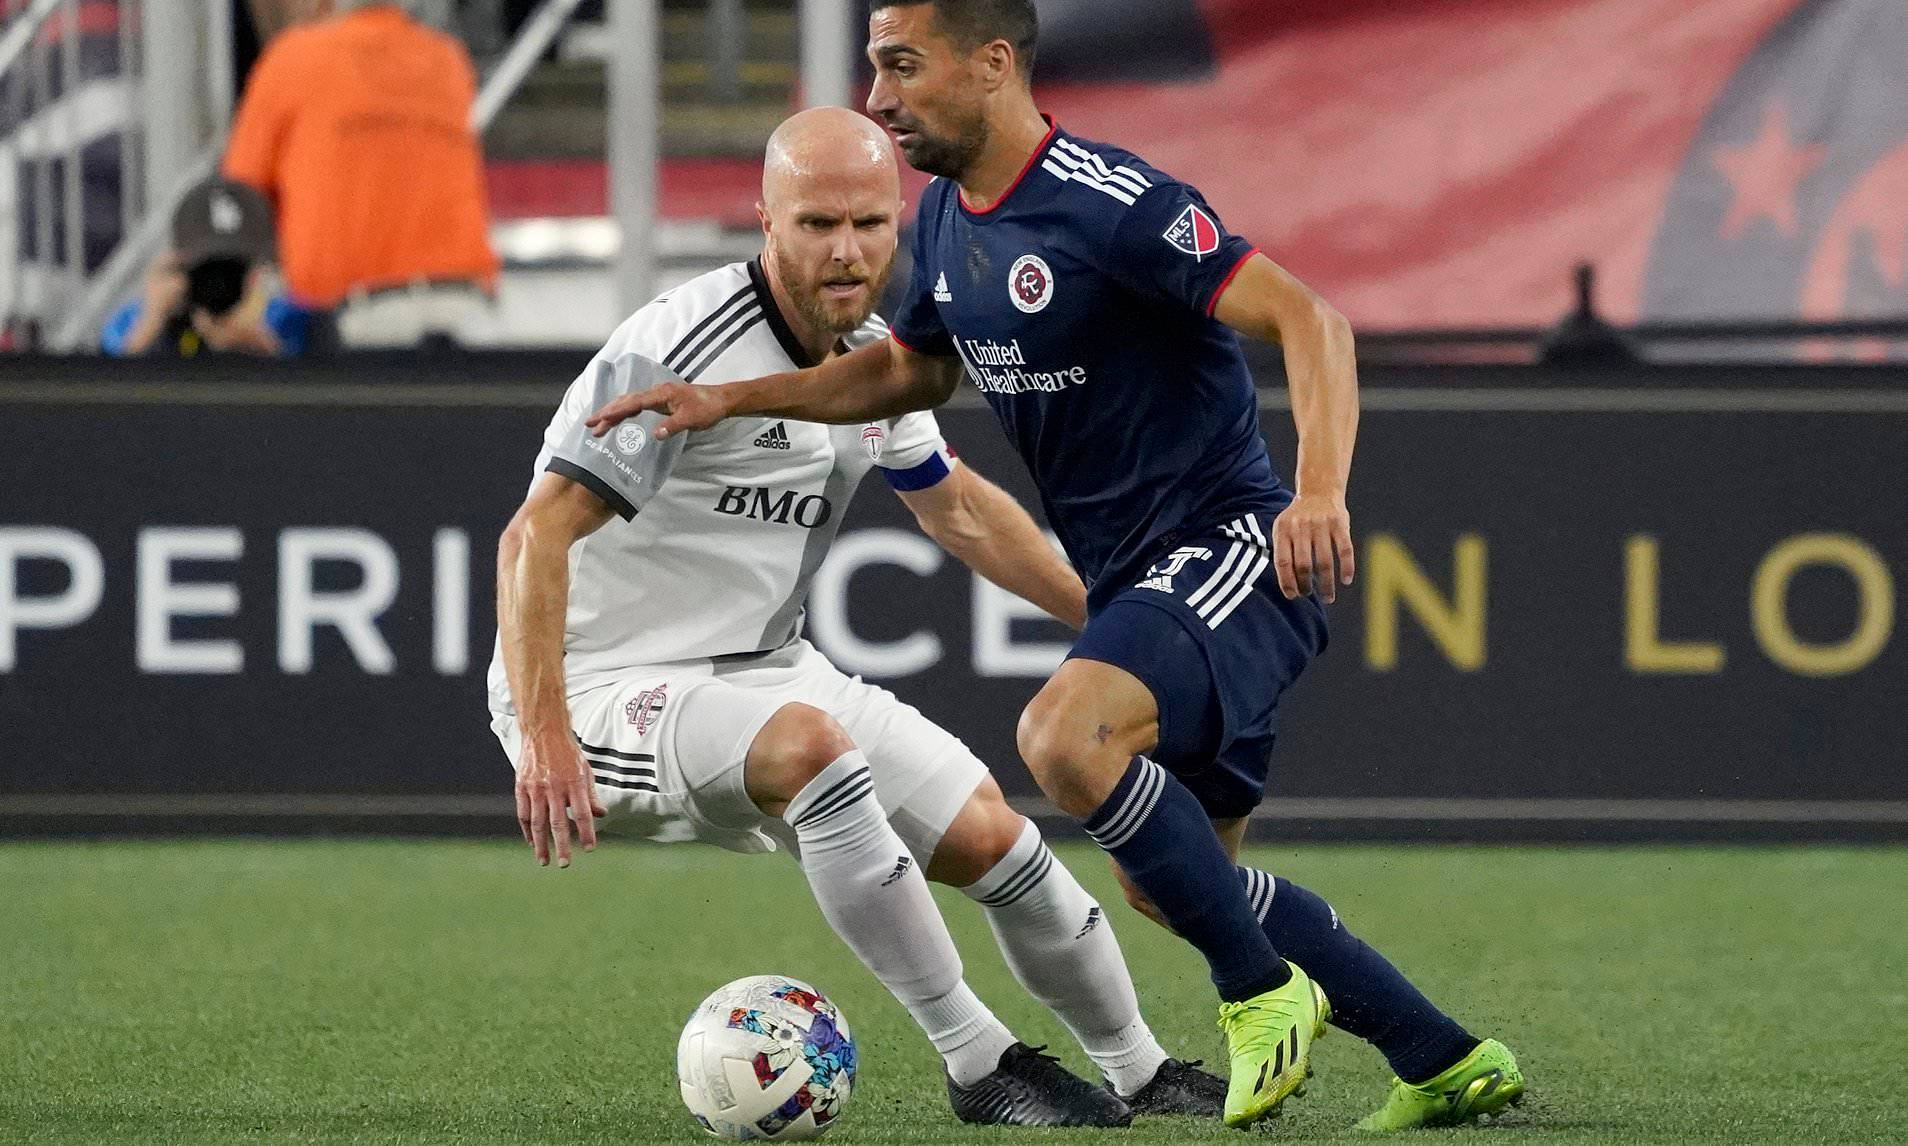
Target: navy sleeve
<point>1169,245</point>
<point>916,322</point>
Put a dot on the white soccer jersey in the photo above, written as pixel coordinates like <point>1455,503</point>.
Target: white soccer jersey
<point>722,529</point>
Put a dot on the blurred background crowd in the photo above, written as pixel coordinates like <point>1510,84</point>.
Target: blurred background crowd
<point>282,177</point>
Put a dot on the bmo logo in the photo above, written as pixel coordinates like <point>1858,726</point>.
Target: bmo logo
<point>778,507</point>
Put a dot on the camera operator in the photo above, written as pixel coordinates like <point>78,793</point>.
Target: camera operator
<point>214,290</point>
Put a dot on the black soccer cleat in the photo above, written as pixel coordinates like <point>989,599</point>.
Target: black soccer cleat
<point>1179,1088</point>
<point>1033,1089</point>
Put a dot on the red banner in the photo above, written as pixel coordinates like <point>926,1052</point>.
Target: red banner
<point>1446,163</point>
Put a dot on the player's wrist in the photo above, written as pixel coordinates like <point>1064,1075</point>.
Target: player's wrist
<point>545,732</point>
<point>741,398</point>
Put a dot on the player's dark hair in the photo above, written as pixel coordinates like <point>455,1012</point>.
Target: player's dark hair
<point>971,23</point>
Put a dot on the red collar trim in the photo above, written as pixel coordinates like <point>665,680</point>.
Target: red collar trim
<point>1053,129</point>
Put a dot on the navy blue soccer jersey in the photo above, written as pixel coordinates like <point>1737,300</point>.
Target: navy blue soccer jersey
<point>1081,305</point>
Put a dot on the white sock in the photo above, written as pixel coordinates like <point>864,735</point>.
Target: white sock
<point>872,893</point>
<point>1060,946</point>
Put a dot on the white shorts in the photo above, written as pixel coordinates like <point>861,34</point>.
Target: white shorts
<point>667,745</point>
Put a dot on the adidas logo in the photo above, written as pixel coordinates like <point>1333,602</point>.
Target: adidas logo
<point>1162,584</point>
<point>901,867</point>
<point>941,293</point>
<point>1093,920</point>
<point>775,439</point>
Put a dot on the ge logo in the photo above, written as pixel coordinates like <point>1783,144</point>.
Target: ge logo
<point>631,438</point>
<point>1031,284</point>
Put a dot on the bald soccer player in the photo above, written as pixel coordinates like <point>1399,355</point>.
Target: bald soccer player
<point>1096,302</point>
<point>651,672</point>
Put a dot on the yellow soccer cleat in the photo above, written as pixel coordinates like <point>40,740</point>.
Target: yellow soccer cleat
<point>1485,1082</point>
<point>1269,1038</point>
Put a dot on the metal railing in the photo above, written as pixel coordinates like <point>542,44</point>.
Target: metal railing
<point>533,39</point>
<point>19,35</point>
<point>142,243</point>
<point>164,96</point>
<point>57,113</point>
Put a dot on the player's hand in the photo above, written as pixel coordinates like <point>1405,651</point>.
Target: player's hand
<point>553,782</point>
<point>1313,531</point>
<point>689,408</point>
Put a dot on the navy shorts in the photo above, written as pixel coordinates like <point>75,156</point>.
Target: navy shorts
<point>1208,631</point>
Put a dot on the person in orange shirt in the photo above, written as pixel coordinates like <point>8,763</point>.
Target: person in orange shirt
<point>356,124</point>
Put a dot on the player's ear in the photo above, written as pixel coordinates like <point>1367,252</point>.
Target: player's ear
<point>997,65</point>
<point>761,212</point>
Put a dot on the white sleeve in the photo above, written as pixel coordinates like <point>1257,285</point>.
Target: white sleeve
<point>913,454</point>
<point>626,466</point>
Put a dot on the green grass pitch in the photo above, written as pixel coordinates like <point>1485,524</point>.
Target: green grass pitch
<point>426,992</point>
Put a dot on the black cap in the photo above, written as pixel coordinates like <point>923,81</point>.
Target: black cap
<point>221,219</point>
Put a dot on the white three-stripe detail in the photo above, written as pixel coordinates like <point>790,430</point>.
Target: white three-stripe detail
<point>1069,162</point>
<point>1140,799</point>
<point>1259,888</point>
<point>1083,177</point>
<point>1222,575</point>
<point>1255,568</point>
<point>1073,155</point>
<point>1218,576</point>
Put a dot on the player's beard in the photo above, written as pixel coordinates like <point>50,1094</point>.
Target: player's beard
<point>817,312</point>
<point>949,156</point>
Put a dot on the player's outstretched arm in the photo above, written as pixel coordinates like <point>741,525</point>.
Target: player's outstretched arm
<point>882,380</point>
<point>533,594</point>
<point>1321,368</point>
<point>982,524</point>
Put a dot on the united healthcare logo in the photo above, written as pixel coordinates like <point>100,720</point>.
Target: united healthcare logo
<point>631,438</point>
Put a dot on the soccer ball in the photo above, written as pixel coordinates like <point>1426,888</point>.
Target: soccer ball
<point>766,1057</point>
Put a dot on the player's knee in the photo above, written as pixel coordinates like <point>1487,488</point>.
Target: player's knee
<point>980,836</point>
<point>808,739</point>
<point>1068,763</point>
<point>999,835</point>
<point>1038,735</point>
<point>797,743</point>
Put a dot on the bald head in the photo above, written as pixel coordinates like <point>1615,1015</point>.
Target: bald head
<point>831,212</point>
<point>831,146</point>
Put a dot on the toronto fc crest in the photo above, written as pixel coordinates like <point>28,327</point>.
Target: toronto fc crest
<point>646,707</point>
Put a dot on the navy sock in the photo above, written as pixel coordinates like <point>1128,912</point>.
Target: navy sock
<point>1370,998</point>
<point>1164,842</point>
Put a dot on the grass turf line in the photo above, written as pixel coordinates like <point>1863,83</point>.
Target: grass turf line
<point>426,992</point>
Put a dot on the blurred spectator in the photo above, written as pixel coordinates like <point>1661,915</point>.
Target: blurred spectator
<point>356,123</point>
<point>214,289</point>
